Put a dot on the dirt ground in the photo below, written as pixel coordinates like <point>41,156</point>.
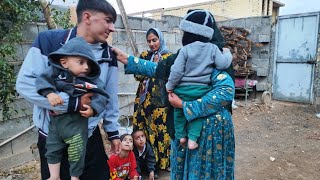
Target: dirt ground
<point>276,141</point>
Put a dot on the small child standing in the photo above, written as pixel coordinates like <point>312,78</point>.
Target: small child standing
<point>123,165</point>
<point>146,160</point>
<point>73,71</point>
<point>190,75</point>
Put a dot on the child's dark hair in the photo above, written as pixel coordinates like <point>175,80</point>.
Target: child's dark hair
<point>135,131</point>
<point>124,135</point>
<point>152,31</point>
<point>97,6</point>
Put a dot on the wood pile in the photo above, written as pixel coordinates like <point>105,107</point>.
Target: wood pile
<point>236,40</point>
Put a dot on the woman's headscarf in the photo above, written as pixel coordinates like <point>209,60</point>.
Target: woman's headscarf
<point>163,47</point>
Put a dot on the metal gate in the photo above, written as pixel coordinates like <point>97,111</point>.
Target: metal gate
<point>295,57</point>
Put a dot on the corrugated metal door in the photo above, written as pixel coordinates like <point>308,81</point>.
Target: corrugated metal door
<point>295,55</point>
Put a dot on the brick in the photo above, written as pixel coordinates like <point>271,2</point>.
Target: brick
<point>135,23</point>
<point>262,71</point>
<point>147,24</point>
<point>42,27</point>
<point>123,38</point>
<point>260,62</point>
<point>143,47</point>
<point>169,38</point>
<point>264,55</point>
<point>223,23</point>
<point>173,21</point>
<point>262,86</point>
<point>178,38</point>
<point>29,32</point>
<point>264,38</point>
<point>119,24</point>
<point>162,25</point>
<point>266,21</point>
<point>261,30</point>
<point>253,37</point>
<point>18,54</point>
<point>25,48</point>
<point>238,23</point>
<point>140,37</point>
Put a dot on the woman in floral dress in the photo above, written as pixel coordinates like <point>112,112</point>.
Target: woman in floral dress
<point>150,108</point>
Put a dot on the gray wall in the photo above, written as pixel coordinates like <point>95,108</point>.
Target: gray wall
<point>259,31</point>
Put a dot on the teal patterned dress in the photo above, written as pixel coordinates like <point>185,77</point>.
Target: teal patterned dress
<point>214,159</point>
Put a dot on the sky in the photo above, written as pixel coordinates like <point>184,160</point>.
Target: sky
<point>131,6</point>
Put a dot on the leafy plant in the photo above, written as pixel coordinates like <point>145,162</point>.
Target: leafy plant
<point>14,14</point>
<point>62,18</point>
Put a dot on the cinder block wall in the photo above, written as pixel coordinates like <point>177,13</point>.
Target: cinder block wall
<point>168,25</point>
<point>259,31</point>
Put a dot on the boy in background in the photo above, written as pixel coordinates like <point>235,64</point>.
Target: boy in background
<point>143,151</point>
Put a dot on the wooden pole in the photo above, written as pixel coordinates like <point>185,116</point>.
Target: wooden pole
<point>128,30</point>
<point>47,14</point>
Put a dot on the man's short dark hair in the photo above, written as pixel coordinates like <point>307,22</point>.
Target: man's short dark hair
<point>97,6</point>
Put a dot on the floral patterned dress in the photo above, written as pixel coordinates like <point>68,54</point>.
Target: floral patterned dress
<point>151,114</point>
<point>214,159</point>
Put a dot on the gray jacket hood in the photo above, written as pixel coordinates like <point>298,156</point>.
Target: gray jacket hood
<point>76,47</point>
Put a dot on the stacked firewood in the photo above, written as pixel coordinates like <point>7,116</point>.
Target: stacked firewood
<point>236,40</point>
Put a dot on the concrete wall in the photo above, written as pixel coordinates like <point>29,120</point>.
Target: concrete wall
<point>259,31</point>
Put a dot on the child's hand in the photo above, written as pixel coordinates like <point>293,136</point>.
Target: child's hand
<point>54,99</point>
<point>169,91</point>
<point>151,175</point>
<point>88,112</point>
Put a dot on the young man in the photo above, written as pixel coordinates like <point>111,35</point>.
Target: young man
<point>95,22</point>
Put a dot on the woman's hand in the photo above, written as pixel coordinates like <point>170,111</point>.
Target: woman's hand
<point>121,56</point>
<point>174,100</point>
